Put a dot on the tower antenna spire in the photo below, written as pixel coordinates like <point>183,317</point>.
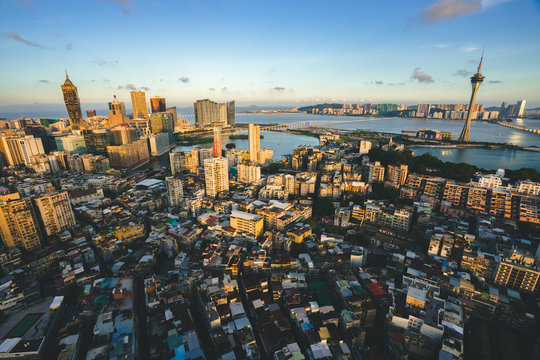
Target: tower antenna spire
<point>66,74</point>
<point>481,59</point>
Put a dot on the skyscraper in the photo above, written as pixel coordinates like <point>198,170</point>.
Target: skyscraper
<point>222,114</point>
<point>138,102</point>
<point>206,112</point>
<point>73,104</point>
<point>254,138</point>
<point>55,212</point>
<point>476,81</point>
<point>117,112</point>
<point>217,142</point>
<point>161,122</point>
<point>520,108</point>
<point>231,112</point>
<point>216,175</point>
<point>174,113</point>
<point>18,224</point>
<point>158,104</point>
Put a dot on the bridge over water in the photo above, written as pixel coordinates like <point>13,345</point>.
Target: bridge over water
<point>315,123</point>
<point>521,128</point>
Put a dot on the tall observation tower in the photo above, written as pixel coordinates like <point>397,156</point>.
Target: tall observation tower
<point>476,81</point>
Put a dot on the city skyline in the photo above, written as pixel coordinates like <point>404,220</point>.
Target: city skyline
<point>420,55</point>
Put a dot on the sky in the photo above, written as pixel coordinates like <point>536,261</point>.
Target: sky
<point>259,52</point>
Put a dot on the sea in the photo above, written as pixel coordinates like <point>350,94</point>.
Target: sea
<point>481,131</point>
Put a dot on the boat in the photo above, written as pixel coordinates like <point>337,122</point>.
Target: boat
<point>409,131</point>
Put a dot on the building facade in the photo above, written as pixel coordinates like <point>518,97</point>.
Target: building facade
<point>18,223</point>
<point>216,174</point>
<point>138,103</point>
<point>55,212</point>
<point>73,104</point>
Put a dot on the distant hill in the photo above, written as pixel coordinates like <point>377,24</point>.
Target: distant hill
<point>320,107</point>
<point>492,108</point>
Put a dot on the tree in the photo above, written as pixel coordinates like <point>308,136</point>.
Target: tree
<point>230,146</point>
<point>323,206</point>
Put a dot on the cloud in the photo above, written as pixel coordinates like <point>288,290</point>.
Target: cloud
<point>184,79</point>
<point>106,63</point>
<point>69,46</point>
<point>212,89</point>
<point>468,49</point>
<point>442,46</point>
<point>378,82</point>
<point>421,77</point>
<point>132,87</point>
<point>278,88</point>
<point>224,88</point>
<point>19,38</point>
<point>44,81</point>
<point>495,81</point>
<point>449,9</point>
<point>125,5</point>
<point>462,72</point>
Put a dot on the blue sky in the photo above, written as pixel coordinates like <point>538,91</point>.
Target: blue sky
<point>270,52</point>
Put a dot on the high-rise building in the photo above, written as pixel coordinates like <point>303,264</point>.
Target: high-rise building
<point>71,144</point>
<point>519,271</point>
<point>117,112</point>
<point>18,223</point>
<point>55,212</point>
<point>175,190</point>
<point>520,108</point>
<point>222,120</point>
<point>123,135</point>
<point>203,154</point>
<point>216,174</point>
<point>183,161</point>
<point>138,103</point>
<point>397,174</point>
<point>249,172</point>
<point>231,113</point>
<point>73,104</point>
<point>161,122</point>
<point>365,146</point>
<point>375,172</point>
<point>210,113</point>
<point>476,81</point>
<point>423,109</point>
<point>217,142</point>
<point>265,155</point>
<point>97,140</point>
<point>254,139</point>
<point>206,112</point>
<point>129,155</point>
<point>174,113</point>
<point>159,143</point>
<point>20,149</point>
<point>158,104</point>
<point>90,113</point>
